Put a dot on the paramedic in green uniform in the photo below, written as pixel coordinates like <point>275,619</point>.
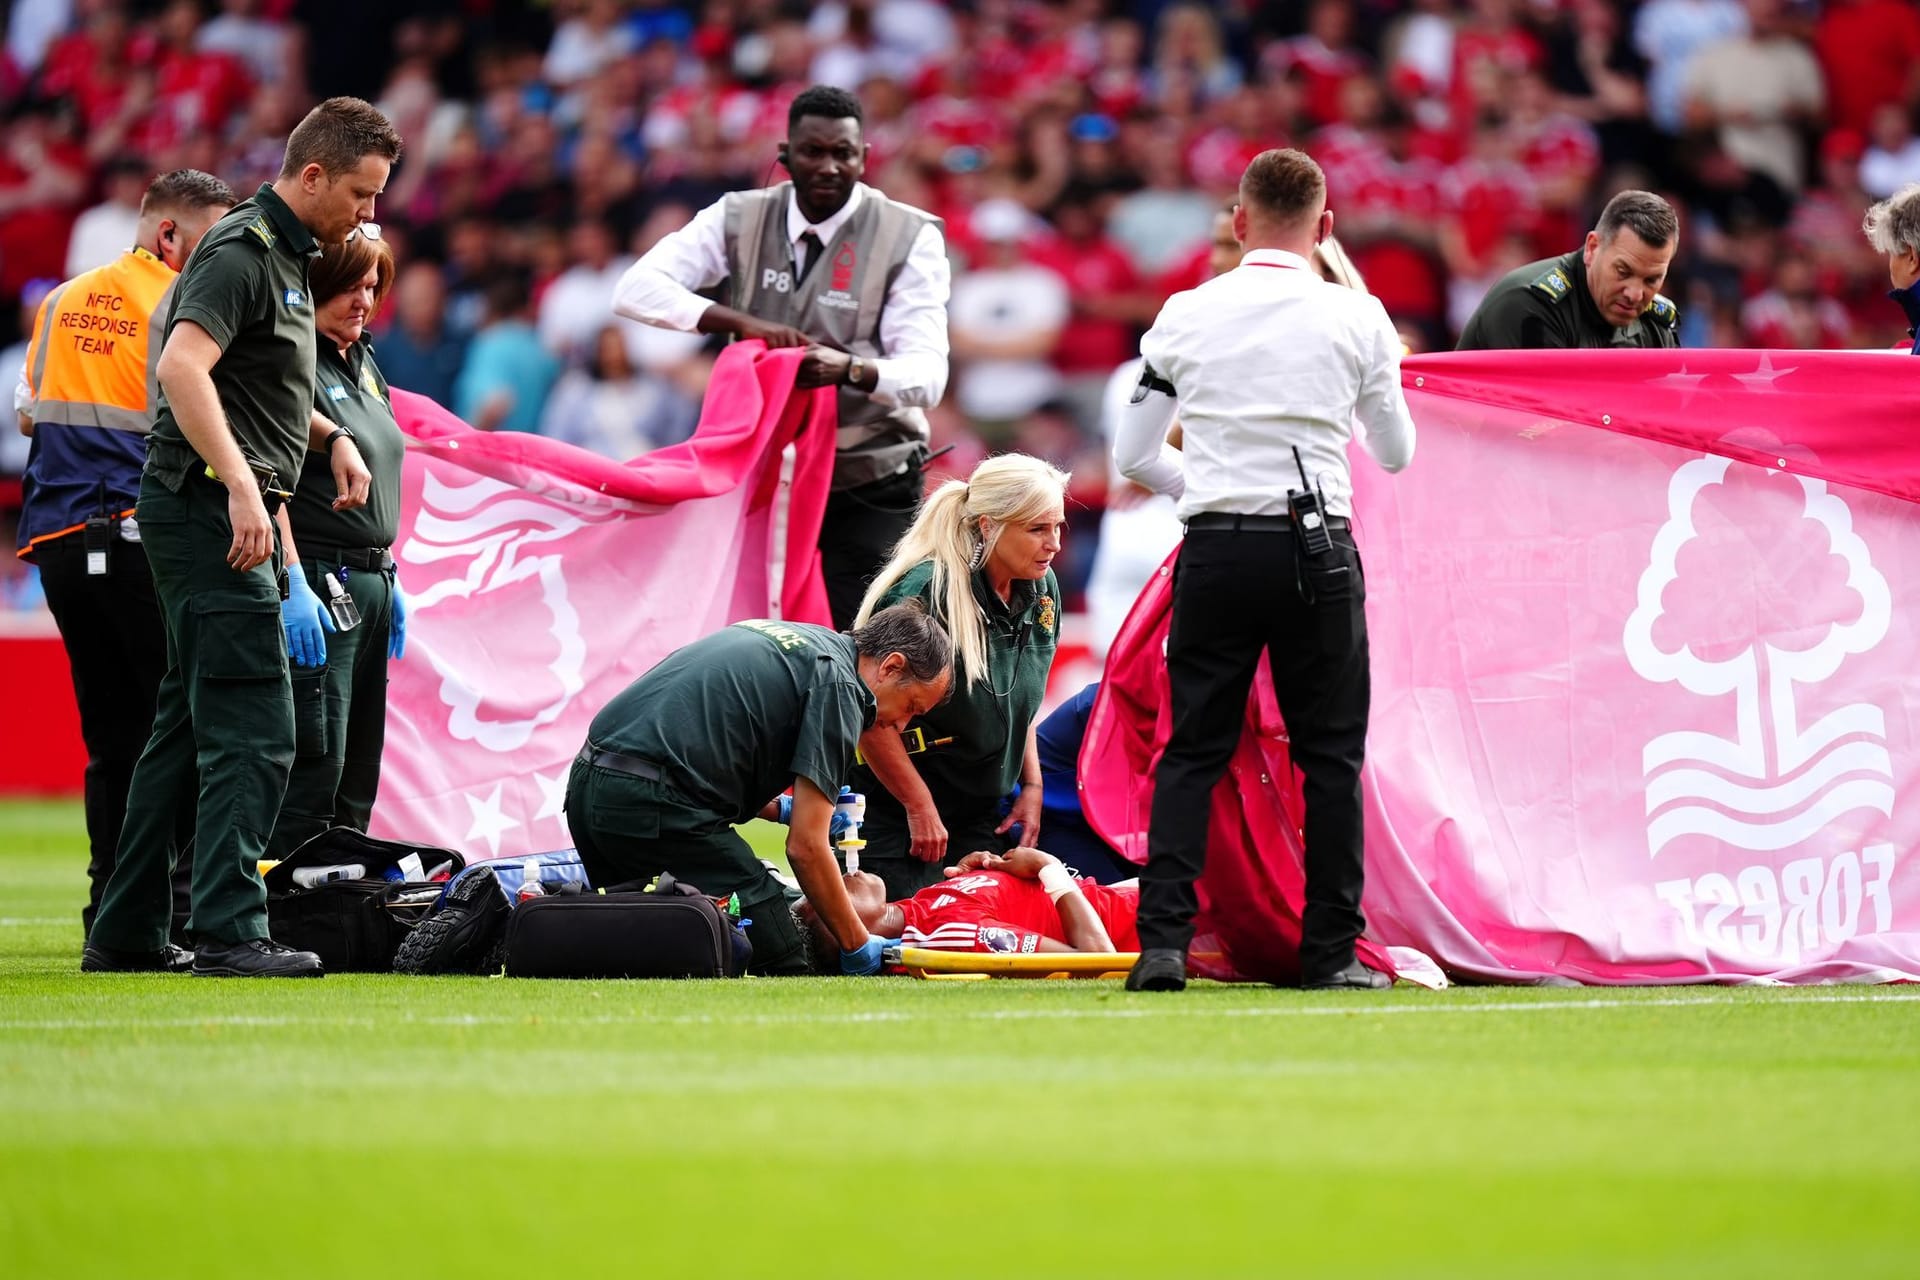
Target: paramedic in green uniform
<point>1604,294</point>
<point>236,420</point>
<point>715,733</point>
<point>340,677</point>
<point>980,557</point>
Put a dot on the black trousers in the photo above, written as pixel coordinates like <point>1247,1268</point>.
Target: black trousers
<point>857,535</point>
<point>1236,593</point>
<point>116,648</point>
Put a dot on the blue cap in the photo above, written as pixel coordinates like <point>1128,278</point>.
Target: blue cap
<point>1092,126</point>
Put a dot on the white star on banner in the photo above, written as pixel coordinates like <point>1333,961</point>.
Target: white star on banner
<point>1687,383</point>
<point>1762,378</point>
<point>553,797</point>
<point>489,822</point>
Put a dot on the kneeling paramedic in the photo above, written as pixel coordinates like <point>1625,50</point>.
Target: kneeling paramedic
<point>711,736</point>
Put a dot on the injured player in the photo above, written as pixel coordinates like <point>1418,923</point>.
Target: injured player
<point>1024,902</point>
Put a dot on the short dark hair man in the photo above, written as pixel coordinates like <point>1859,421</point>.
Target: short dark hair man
<point>825,262</point>
<point>236,417</point>
<point>1270,369</point>
<point>1604,294</point>
<point>87,400</point>
<point>712,735</point>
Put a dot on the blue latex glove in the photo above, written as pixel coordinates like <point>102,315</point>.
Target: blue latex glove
<point>835,828</point>
<point>865,961</point>
<point>397,629</point>
<point>306,620</point>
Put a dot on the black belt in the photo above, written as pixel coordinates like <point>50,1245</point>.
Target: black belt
<point>613,760</point>
<point>1223,521</point>
<point>372,559</point>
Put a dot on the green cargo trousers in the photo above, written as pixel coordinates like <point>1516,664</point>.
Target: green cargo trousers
<point>627,828</point>
<point>222,731</point>
<point>339,716</point>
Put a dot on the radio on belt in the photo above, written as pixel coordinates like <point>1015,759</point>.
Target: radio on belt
<point>1308,507</point>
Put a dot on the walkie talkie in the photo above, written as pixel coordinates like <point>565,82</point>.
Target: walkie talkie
<point>1308,507</point>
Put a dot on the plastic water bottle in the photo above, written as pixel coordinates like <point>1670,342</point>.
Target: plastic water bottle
<point>530,887</point>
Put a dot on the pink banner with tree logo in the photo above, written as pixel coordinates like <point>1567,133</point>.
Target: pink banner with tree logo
<point>543,579</point>
<point>1644,628</point>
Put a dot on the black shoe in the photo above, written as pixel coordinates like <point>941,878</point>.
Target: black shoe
<point>1355,977</point>
<point>465,934</point>
<point>1159,969</point>
<point>256,958</point>
<point>95,958</point>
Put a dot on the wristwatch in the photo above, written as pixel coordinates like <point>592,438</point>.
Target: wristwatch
<point>856,370</point>
<point>335,434</point>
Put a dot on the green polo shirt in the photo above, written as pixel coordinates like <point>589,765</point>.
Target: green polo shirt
<point>246,285</point>
<point>989,721</point>
<point>734,718</point>
<point>349,390</point>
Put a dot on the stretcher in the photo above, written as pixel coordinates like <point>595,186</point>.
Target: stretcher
<point>921,962</point>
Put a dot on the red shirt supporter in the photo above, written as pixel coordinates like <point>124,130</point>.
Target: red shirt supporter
<point>998,912</point>
<point>1349,156</point>
<point>1561,155</point>
<point>1101,277</point>
<point>1392,213</point>
<point>1485,53</point>
<point>1488,198</point>
<point>1322,71</point>
<point>1869,50</point>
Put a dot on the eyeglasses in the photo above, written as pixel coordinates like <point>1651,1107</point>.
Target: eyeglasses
<point>371,230</point>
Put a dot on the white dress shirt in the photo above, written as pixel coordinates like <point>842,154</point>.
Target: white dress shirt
<point>659,290</point>
<point>1265,359</point>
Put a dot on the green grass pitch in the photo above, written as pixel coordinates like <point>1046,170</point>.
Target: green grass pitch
<point>363,1126</point>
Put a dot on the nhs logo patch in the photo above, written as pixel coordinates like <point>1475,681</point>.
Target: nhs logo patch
<point>336,393</point>
<point>295,298</point>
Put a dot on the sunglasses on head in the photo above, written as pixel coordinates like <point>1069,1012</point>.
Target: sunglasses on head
<point>371,230</point>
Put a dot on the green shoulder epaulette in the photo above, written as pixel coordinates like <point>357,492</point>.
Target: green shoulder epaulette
<point>260,228</point>
<point>1553,285</point>
<point>1663,312</point>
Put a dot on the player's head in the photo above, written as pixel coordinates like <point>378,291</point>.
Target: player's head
<point>1283,198</point>
<point>868,894</point>
<point>1627,254</point>
<point>177,210</point>
<point>825,151</point>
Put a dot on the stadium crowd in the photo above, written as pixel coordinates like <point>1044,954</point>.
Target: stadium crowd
<point>1077,150</point>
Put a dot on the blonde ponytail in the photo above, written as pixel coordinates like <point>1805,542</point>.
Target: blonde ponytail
<point>1008,489</point>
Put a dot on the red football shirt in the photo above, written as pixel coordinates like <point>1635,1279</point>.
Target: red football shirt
<point>998,913</point>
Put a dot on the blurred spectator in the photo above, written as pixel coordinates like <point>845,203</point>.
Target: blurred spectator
<point>1189,55</point>
<point>270,51</point>
<point>1792,313</point>
<point>419,351</point>
<point>1601,78</point>
<point>32,28</point>
<point>1324,58</point>
<point>105,231</point>
<point>1490,48</point>
<point>1110,305</point>
<point>43,175</point>
<point>1158,224</point>
<point>14,447</point>
<point>1668,34</point>
<point>579,302</point>
<point>504,383</point>
<point>1870,51</point>
<point>586,42</point>
<point>1489,215</point>
<point>1762,91</point>
<point>614,409</point>
<point>1892,157</point>
<point>1004,322</point>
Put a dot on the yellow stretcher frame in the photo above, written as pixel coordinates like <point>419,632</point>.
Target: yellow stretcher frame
<point>922,962</point>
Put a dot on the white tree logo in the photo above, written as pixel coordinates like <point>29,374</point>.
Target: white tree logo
<point>498,528</point>
<point>1724,788</point>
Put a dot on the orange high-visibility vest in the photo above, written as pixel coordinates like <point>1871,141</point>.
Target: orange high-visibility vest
<point>93,359</point>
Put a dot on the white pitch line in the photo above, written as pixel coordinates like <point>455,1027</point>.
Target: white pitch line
<point>16,922</point>
<point>1183,1010</point>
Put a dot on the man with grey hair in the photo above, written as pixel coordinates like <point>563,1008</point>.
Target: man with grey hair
<point>1893,228</point>
<point>1604,294</point>
<point>712,735</point>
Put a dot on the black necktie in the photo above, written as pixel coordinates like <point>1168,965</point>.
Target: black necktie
<point>810,245</point>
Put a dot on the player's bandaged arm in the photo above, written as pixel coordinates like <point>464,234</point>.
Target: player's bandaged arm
<point>1140,446</point>
<point>1078,920</point>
